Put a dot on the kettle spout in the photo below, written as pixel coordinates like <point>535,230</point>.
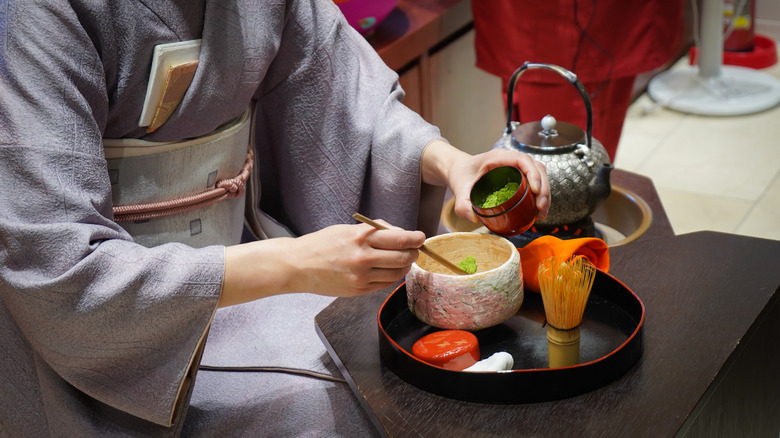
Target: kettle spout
<point>602,176</point>
<point>600,186</point>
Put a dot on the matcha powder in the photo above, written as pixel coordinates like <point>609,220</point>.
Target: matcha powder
<point>501,195</point>
<point>469,264</point>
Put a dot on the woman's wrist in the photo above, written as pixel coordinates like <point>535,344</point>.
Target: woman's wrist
<point>255,270</point>
<point>438,159</point>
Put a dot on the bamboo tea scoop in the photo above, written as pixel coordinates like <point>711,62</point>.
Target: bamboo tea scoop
<point>423,248</point>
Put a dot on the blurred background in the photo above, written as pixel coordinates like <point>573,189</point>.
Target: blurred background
<point>718,173</point>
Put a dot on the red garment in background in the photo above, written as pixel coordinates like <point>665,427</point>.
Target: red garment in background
<point>605,42</point>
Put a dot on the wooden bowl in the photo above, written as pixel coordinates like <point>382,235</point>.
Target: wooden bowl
<point>486,298</point>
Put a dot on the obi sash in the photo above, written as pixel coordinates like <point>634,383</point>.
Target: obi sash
<point>190,191</point>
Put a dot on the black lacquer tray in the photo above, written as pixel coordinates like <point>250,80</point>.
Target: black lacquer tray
<point>611,343</point>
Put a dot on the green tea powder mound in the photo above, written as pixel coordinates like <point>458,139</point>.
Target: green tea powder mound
<point>469,264</point>
<point>501,195</point>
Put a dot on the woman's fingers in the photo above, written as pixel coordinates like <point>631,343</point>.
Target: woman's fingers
<point>469,171</point>
<point>354,259</point>
<point>543,195</point>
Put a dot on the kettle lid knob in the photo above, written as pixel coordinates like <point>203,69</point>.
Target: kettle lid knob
<point>548,134</point>
<point>548,123</point>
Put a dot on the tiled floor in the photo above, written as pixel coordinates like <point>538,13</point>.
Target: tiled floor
<point>711,173</point>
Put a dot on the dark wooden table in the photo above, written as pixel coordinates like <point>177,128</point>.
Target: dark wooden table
<point>709,367</point>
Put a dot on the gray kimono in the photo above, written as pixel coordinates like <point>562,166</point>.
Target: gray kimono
<point>100,335</point>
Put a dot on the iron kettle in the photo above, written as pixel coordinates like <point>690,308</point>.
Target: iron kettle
<point>578,165</point>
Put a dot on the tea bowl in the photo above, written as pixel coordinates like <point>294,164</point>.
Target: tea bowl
<point>471,302</point>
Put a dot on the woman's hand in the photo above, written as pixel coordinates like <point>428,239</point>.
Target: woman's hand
<point>443,164</point>
<point>340,260</point>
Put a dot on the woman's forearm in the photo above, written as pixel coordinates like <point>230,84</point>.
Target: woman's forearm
<point>437,160</point>
<point>257,270</point>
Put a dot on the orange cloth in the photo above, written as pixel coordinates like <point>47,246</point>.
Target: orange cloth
<point>541,248</point>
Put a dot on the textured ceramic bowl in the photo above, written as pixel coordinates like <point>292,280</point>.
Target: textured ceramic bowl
<point>466,302</point>
<point>513,216</point>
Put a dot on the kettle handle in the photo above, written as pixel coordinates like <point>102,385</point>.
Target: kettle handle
<point>571,77</point>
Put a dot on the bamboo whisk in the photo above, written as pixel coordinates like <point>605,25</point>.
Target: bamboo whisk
<point>565,284</point>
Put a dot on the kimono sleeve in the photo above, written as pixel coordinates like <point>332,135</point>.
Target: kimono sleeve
<point>333,134</point>
<point>118,322</point>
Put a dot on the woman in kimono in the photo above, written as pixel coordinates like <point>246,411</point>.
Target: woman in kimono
<point>114,271</point>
